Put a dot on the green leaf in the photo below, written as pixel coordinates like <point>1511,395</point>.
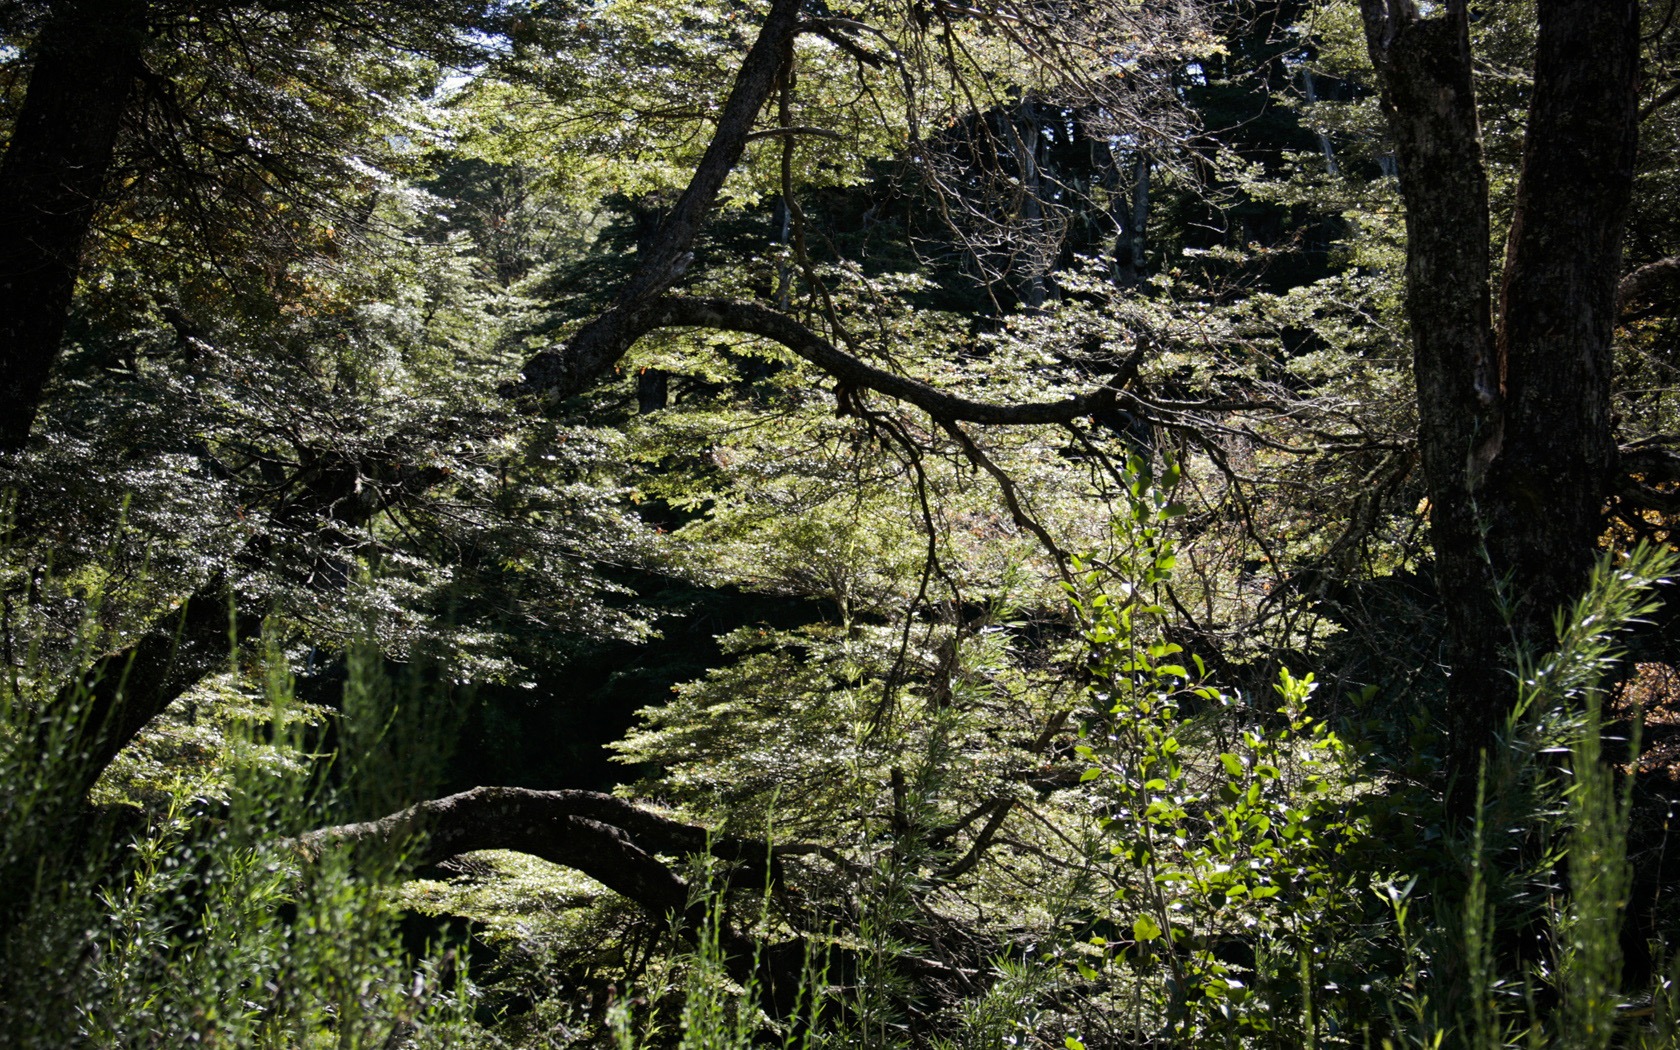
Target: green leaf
<point>1145,929</point>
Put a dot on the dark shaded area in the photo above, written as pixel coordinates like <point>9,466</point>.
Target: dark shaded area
<point>554,735</point>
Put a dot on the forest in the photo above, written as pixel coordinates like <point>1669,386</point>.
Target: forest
<point>816,523</point>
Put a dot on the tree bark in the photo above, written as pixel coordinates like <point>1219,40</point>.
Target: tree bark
<point>1652,288</point>
<point>1424,69</point>
<point>51,182</point>
<point>1547,487</point>
<point>1514,425</point>
<point>1131,243</point>
<point>1025,138</point>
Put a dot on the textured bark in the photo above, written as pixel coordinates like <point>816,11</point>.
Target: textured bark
<point>554,375</point>
<point>1424,69</point>
<point>1653,288</point>
<point>1547,487</point>
<point>1131,244</point>
<point>1514,426</point>
<point>582,830</point>
<point>620,845</point>
<point>51,182</point>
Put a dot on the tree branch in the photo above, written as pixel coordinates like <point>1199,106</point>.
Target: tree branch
<point>614,842</point>
<point>1641,469</point>
<point>730,315</point>
<point>1649,289</point>
<point>796,129</point>
<point>556,374</point>
<point>582,830</point>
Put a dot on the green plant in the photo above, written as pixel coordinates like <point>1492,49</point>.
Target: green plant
<point>1529,952</point>
<point>1226,821</point>
<point>208,925</point>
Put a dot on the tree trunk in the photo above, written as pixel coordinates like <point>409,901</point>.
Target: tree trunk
<point>1514,426</point>
<point>653,390</point>
<point>1558,305</point>
<point>100,711</point>
<point>51,180</point>
<point>1025,139</point>
<point>1131,213</point>
<point>1310,91</point>
<point>1424,71</point>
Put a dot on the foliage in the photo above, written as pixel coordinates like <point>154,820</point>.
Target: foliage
<point>204,923</point>
<point>956,785</point>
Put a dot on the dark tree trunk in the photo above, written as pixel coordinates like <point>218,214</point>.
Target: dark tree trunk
<point>1025,140</point>
<point>51,180</point>
<point>1514,424</point>
<point>1130,210</point>
<point>1558,305</point>
<point>653,390</point>
<point>1424,71</point>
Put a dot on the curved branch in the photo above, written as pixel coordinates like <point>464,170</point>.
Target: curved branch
<point>728,315</point>
<point>796,129</point>
<point>543,824</point>
<point>1649,289</point>
<point>612,841</point>
<point>576,829</point>
<point>1645,476</point>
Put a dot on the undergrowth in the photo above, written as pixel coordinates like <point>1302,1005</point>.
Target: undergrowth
<point>1243,882</point>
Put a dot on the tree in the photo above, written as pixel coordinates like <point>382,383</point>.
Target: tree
<point>921,748</point>
<point>221,134</point>
<point>1514,415</point>
<point>52,180</point>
